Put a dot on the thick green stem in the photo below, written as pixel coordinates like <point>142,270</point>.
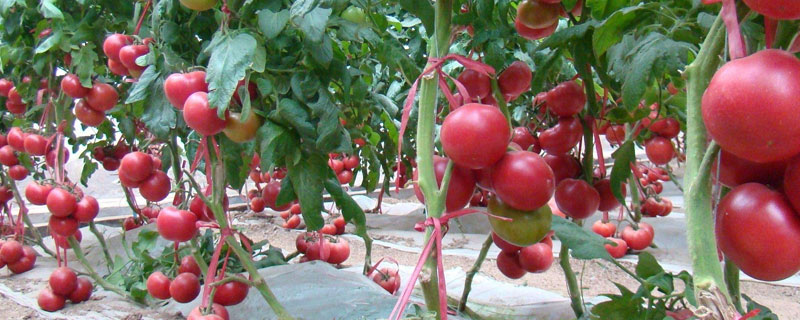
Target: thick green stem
<point>732,281</point>
<point>708,276</point>
<point>572,281</point>
<point>76,248</point>
<point>473,271</point>
<point>198,257</point>
<point>102,241</point>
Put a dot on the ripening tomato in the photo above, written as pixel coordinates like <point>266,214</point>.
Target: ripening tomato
<point>536,258</point>
<point>231,293</point>
<point>63,281</point>
<point>478,85</point>
<point>25,263</point>
<point>242,131</point>
<point>776,9</point>
<point>508,263</point>
<point>49,301</point>
<point>735,112</point>
<point>474,125</point>
<point>61,203</point>
<point>158,286</point>
<point>355,15</point>
<point>113,44</point>
<point>320,249</point>
<point>37,193</point>
<point>351,162</point>
<point>199,115</point>
<point>136,167</point>
<point>604,229</point>
<point>534,34</point>
<point>734,171</point>
<point>515,80</point>
<point>16,138</point>
<point>460,189</point>
<point>566,100</point>
<point>185,287</point>
<point>156,187</point>
<point>758,230</point>
<point>564,136</point>
<point>176,225</point>
<point>117,68</point>
<point>345,176</point>
<point>535,14</point>
<point>102,97</point>
<point>340,250</point>
<point>8,156</point>
<point>5,87</point>
<point>523,180</point>
<point>617,251</point>
<point>388,279</point>
<point>577,198</point>
<point>71,85</point>
<point>199,5</point>
<point>638,239</point>
<point>659,150</point>
<point>179,86</point>
<point>128,55</point>
<point>564,166</point>
<point>257,204</point>
<point>18,172</point>
<point>11,251</point>
<point>252,91</point>
<point>526,227</point>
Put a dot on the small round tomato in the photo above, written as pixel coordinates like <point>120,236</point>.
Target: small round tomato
<point>523,137</point>
<point>179,86</point>
<point>564,136</point>
<point>49,301</point>
<point>604,229</point>
<point>257,204</point>
<point>388,279</point>
<point>534,34</point>
<point>564,166</point>
<point>63,281</point>
<point>776,9</point>
<point>71,85</point>
<point>5,87</point>
<point>128,55</point>
<point>478,85</point>
<point>8,156</point>
<point>355,15</point>
<point>156,187</point>
<point>607,200</point>
<point>577,198</point>
<point>504,245</point>
<point>615,134</point>
<point>158,286</point>
<point>114,43</point>
<point>351,162</point>
<point>64,227</point>
<point>102,97</point>
<point>537,14</point>
<point>216,310</point>
<point>37,193</point>
<point>508,263</point>
<point>18,172</point>
<point>318,250</point>
<point>513,175</point>
<point>474,125</point>
<point>185,287</point>
<point>515,80</point>
<point>87,115</point>
<point>536,258</point>
<point>566,100</point>
<point>199,5</point>
<point>659,150</point>
<point>117,68</point>
<point>340,251</point>
<point>734,171</point>
<point>11,251</point>
<point>242,131</point>
<point>61,203</point>
<point>638,239</point>
<point>136,167</point>
<point>199,115</point>
<point>668,127</point>
<point>345,176</point>
<point>82,292</point>
<point>525,228</point>
<point>25,263</point>
<point>231,293</point>
<point>617,251</point>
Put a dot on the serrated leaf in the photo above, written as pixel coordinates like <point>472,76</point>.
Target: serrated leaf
<point>308,177</point>
<point>236,165</point>
<point>584,244</point>
<point>647,266</point>
<point>229,61</point>
<point>423,9</point>
<point>611,30</point>
<point>276,142</point>
<point>141,89</point>
<point>272,23</point>
<point>312,23</point>
<point>622,168</point>
<point>84,60</point>
<point>566,36</point>
<point>293,113</point>
<point>50,11</point>
<point>321,51</point>
<point>603,8</point>
<point>159,116</point>
<point>286,194</point>
<point>89,167</point>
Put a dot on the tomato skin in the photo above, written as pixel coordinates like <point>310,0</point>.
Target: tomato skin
<point>504,245</point>
<point>242,131</point>
<point>737,117</point>
<point>176,225</point>
<point>64,227</point>
<point>217,310</point>
<point>734,171</point>
<point>37,193</point>
<point>136,166</point>
<point>508,263</point>
<point>526,140</point>
<point>607,200</point>
<point>577,198</point>
<point>50,301</point>
<point>659,150</point>
<point>129,54</point>
<point>617,251</point>
<point>478,85</point>
<point>11,251</point>
<point>564,136</point>
<point>113,44</point>
<point>318,250</point>
<point>156,187</point>
<point>340,251</point>
<point>460,189</point>
<point>18,172</point>
<point>16,139</point>
<point>615,134</point>
<point>5,86</point>
<point>231,293</point>
<point>534,34</point>
<point>61,203</point>
<point>566,99</point>
<point>82,292</point>
<point>8,156</point>
<point>199,115</point>
<point>345,176</point>
<point>351,162</point>
<point>776,9</point>
<point>340,225</point>
<point>535,14</point>
<point>527,227</point>
<point>117,68</point>
<point>604,229</point>
<point>536,258</point>
<point>252,91</point>
<point>71,85</point>
<point>638,239</point>
<point>791,183</point>
<point>668,127</point>
<point>336,165</point>
<point>184,288</point>
<point>63,281</point>
<point>158,286</point>
<point>355,15</point>
<point>388,279</point>
<point>471,125</point>
<point>199,5</point>
<point>758,230</point>
<point>179,86</point>
<point>515,174</point>
<point>102,97</point>
<point>87,115</point>
<point>63,242</point>
<point>257,204</point>
<point>25,263</point>
<point>515,80</point>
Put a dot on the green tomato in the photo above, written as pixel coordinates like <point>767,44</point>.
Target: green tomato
<point>355,15</point>
<point>199,5</point>
<point>526,227</point>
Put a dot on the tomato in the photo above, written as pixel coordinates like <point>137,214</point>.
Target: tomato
<point>117,68</point>
<point>791,182</point>
<point>270,194</point>
<point>11,251</point>
<point>87,115</point>
<point>158,285</point>
<point>231,293</point>
<point>199,115</point>
<point>776,9</point>
<point>536,258</point>
<point>292,223</point>
<point>508,263</point>
<point>63,242</point>
<point>340,225</point>
<point>5,194</point>
<point>577,198</point>
<point>14,97</point>
<point>252,91</point>
<point>328,229</point>
<point>615,134</point>
<point>61,203</point>
<point>25,263</point>
<point>50,158</point>
<point>336,165</point>
<point>737,117</point>
<point>668,127</point>
<point>16,138</point>
<point>37,193</point>
<point>561,138</point>
<point>472,125</point>
<point>504,245</point>
<point>604,229</point>
<point>102,97</point>
<point>360,141</point>
<point>607,200</point>
<point>351,162</point>
<point>478,85</point>
<point>112,164</point>
<point>388,279</point>
<point>659,150</point>
<point>758,230</point>
<point>82,291</point>
<point>526,227</point>
<point>239,131</point>
<point>345,176</point>
<point>617,251</point>
<point>156,187</point>
<point>8,156</point>
<point>113,44</point>
<point>340,251</point>
<point>199,5</point>
<point>257,204</point>
<point>526,140</point>
<point>523,180</point>
<point>638,239</point>
<point>16,108</point>
<point>64,227</point>
<point>355,15</point>
<point>460,189</point>
<point>18,172</point>
<point>136,167</point>
<point>179,86</point>
<point>63,281</point>
<point>71,85</point>
<point>566,100</point>
<point>217,310</point>
<point>176,225</point>
<point>128,55</point>
<point>184,288</point>
<point>35,144</point>
<point>515,80</point>
<point>50,301</point>
<point>318,250</point>
<point>734,171</point>
<point>535,14</point>
<point>5,87</point>
<point>304,240</point>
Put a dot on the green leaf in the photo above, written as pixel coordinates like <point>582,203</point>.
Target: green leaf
<point>229,61</point>
<point>272,23</point>
<point>663,281</point>
<point>610,31</point>
<point>584,244</point>
<point>51,41</point>
<point>321,51</point>
<point>142,88</point>
<point>566,36</point>
<point>312,23</point>
<point>276,143</point>
<point>764,314</point>
<point>84,60</point>
<point>50,11</point>
<point>159,115</point>
<point>89,167</point>
<point>237,166</point>
<point>647,266</point>
<point>308,177</point>
<point>293,113</point>
<point>351,211</point>
<point>286,194</point>
<point>624,306</point>
<point>423,9</point>
<point>603,8</point>
<point>622,169</point>
<point>330,132</point>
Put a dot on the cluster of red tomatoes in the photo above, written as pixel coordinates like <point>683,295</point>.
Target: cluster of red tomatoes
<point>318,246</point>
<point>185,287</point>
<point>143,171</point>
<point>33,144</point>
<point>122,53</point>
<point>753,119</point>
<point>537,19</point>
<point>514,261</point>
<point>94,102</point>
<point>110,156</point>
<point>64,284</point>
<point>343,166</point>
<point>17,257</point>
<point>14,103</point>
<point>68,208</point>
<point>635,239</point>
<point>651,179</point>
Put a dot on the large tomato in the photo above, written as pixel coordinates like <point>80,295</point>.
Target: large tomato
<point>199,5</point>
<point>129,54</point>
<point>136,166</point>
<point>156,187</point>
<point>536,14</point>
<point>179,86</point>
<point>508,263</point>
<point>577,198</point>
<point>525,228</point>
<point>758,230</point>
<point>515,80</point>
<point>216,310</point>
<point>86,209</point>
<point>734,171</point>
<point>534,34</point>
<point>242,131</point>
<point>87,115</point>
<point>750,106</point>
<point>659,150</point>
<point>185,287</point>
<point>114,43</point>
<point>460,190</point>
<point>523,137</point>
<point>564,136</point>
<point>158,285</point>
<point>63,281</point>
<point>523,180</point>
<point>566,99</point>
<point>199,115</point>
<point>776,9</point>
<point>536,258</point>
<point>638,239</point>
<point>71,85</point>
<point>231,293</point>
<point>604,229</point>
<point>37,193</point>
<point>564,166</point>
<point>61,203</point>
<point>102,97</point>
<point>791,183</point>
<point>474,125</point>
<point>478,85</point>
<point>176,225</point>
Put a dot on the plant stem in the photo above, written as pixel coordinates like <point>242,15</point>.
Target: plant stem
<point>198,257</point>
<point>472,272</point>
<point>708,276</point>
<point>76,247</point>
<point>572,281</point>
<point>102,241</point>
<point>732,281</point>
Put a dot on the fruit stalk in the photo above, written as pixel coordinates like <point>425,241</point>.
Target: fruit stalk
<point>708,276</point>
<point>732,281</point>
<point>76,248</point>
<point>572,282</point>
<point>102,241</point>
<point>462,305</point>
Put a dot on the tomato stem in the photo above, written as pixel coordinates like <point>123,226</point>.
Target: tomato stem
<point>102,241</point>
<point>462,305</point>
<point>732,281</point>
<point>572,282</point>
<point>76,248</point>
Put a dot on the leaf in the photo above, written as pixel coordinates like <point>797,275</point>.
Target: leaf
<point>321,51</point>
<point>764,314</point>
<point>159,115</point>
<point>610,31</point>
<point>330,132</point>
<point>85,59</point>
<point>663,281</point>
<point>351,211</point>
<point>624,306</point>
<point>423,9</point>
<point>584,244</point>
<point>286,194</point>
<point>50,11</point>
<point>567,36</point>
<point>276,142</point>
<point>622,169</point>
<point>647,266</point>
<point>312,23</point>
<point>89,167</point>
<point>293,113</point>
<point>142,88</point>
<point>603,8</point>
<point>51,41</point>
<point>228,64</point>
<point>272,23</point>
<point>236,164</point>
<point>307,177</point>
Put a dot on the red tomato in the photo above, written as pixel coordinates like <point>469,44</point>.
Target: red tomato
<point>25,263</point>
<point>16,138</point>
<point>176,225</point>
<point>113,44</point>
<point>758,230</point>
<point>158,286</point>
<point>189,264</point>
<point>5,87</point>
<point>478,85</point>
<point>217,310</point>
<point>8,156</point>
<point>535,14</point>
<point>71,85</point>
<point>734,171</point>
<point>61,203</point>
<point>351,162</point>
<point>577,198</point>
<point>102,97</point>
<point>11,251</point>
<point>318,250</point>
<point>63,242</point>
<point>536,258</point>
<point>5,194</point>
<point>296,209</point>
<point>270,194</point>
<point>526,140</point>
<point>304,240</point>
<point>561,138</point>
<point>515,80</point>
<point>82,291</point>
<point>128,55</point>
<point>336,165</point>
<point>199,115</point>
<point>231,293</point>
<point>607,200</point>
<point>566,100</point>
<point>136,166</point>
<point>112,164</point>
<point>504,245</point>
<point>184,288</point>
<point>776,9</point>
<point>340,225</point>
<point>50,301</point>
<point>508,263</point>
<point>87,115</point>
<point>737,117</point>
<point>604,229</point>
<point>63,281</point>
<point>791,182</point>
<point>659,150</point>
<point>460,189</point>
<point>252,90</point>
<point>64,227</point>
<point>14,97</point>
<point>472,125</point>
<point>117,68</point>
<point>292,223</point>
<point>257,204</point>
<point>638,239</point>
<point>50,158</point>
<point>615,134</point>
<point>345,176</point>
<point>340,251</point>
<point>668,127</point>
<point>389,280</point>
<point>156,187</point>
<point>534,34</point>
<point>617,251</point>
<point>18,172</point>
<point>37,193</point>
<point>514,176</point>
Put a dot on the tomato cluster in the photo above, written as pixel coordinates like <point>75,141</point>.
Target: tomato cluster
<point>318,246</point>
<point>514,261</point>
<point>143,171</point>
<point>14,101</point>
<point>64,284</point>
<point>110,156</point>
<point>343,166</point>
<point>17,257</point>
